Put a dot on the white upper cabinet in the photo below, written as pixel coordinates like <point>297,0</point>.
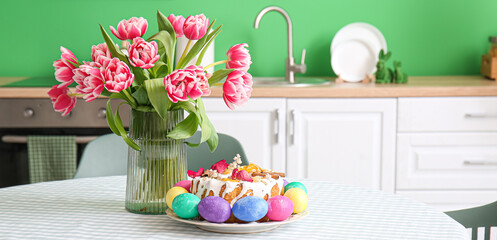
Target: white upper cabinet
<point>259,125</point>
<point>343,140</point>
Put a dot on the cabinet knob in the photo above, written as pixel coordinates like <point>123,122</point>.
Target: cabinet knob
<point>101,113</point>
<point>29,112</point>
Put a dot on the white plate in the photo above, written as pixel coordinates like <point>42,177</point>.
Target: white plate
<point>360,31</point>
<point>368,35</point>
<point>353,60</point>
<point>253,227</point>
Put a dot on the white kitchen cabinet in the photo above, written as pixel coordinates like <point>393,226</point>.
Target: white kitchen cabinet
<point>259,125</point>
<point>447,150</point>
<point>343,140</point>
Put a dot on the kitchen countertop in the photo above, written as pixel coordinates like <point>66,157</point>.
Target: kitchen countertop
<point>433,86</point>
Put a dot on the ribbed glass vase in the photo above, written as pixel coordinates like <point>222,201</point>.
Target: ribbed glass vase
<point>158,166</point>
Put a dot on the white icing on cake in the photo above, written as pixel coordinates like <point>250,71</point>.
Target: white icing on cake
<point>259,189</point>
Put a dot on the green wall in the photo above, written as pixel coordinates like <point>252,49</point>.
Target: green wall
<point>431,37</point>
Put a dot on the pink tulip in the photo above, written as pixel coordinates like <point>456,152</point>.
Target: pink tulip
<point>129,29</point>
<point>100,54</point>
<point>176,83</point>
<point>62,99</point>
<point>239,57</point>
<point>200,86</point>
<point>64,67</point>
<point>195,27</point>
<point>117,76</point>
<point>177,22</point>
<point>89,79</point>
<point>237,88</point>
<point>143,54</point>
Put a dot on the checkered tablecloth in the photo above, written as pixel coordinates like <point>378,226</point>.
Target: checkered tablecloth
<point>94,208</point>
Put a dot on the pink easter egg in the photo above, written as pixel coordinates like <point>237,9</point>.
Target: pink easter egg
<point>279,208</point>
<point>186,184</point>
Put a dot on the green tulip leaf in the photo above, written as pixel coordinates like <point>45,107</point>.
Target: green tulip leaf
<point>157,95</point>
<point>141,95</point>
<point>165,25</point>
<point>109,114</point>
<point>219,75</point>
<point>122,131</point>
<point>204,124</point>
<point>196,48</point>
<point>169,43</point>
<point>185,128</point>
<point>187,106</point>
<point>115,52</point>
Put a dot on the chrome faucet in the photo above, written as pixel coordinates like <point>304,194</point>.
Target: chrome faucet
<point>291,67</point>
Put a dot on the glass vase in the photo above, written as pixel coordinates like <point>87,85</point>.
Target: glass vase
<point>158,166</point>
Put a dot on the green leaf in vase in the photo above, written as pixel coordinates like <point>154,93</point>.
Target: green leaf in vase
<point>169,44</point>
<point>213,140</point>
<point>110,119</point>
<point>157,95</point>
<point>219,75</point>
<point>122,131</point>
<point>141,95</point>
<point>165,25</point>
<point>185,128</point>
<point>210,40</point>
<point>114,52</point>
<point>204,121</point>
<point>187,106</point>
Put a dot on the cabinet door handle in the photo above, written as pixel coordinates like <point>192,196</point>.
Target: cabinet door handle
<point>292,127</point>
<point>276,126</point>
<point>480,162</point>
<point>480,115</point>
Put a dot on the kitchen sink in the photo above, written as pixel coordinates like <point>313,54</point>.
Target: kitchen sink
<point>281,82</point>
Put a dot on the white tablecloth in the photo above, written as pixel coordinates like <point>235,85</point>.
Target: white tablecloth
<point>94,208</point>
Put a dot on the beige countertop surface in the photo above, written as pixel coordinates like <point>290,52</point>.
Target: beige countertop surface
<point>433,86</point>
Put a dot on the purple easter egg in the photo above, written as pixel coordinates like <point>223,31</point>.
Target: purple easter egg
<point>279,208</point>
<point>214,209</point>
<point>186,184</point>
<point>285,182</point>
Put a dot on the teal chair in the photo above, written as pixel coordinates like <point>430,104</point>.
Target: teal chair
<point>108,155</point>
<point>474,218</point>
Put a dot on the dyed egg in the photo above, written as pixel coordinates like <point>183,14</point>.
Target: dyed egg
<point>299,199</point>
<point>295,185</point>
<point>172,193</point>
<point>279,208</point>
<point>185,205</point>
<point>285,182</point>
<point>250,208</point>
<point>186,184</point>
<point>214,209</point>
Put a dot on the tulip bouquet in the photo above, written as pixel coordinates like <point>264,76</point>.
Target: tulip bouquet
<point>145,75</point>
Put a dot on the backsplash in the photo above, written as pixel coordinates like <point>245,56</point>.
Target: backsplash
<point>443,37</point>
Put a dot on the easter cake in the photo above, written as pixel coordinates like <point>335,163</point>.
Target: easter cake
<point>233,182</point>
<point>230,193</point>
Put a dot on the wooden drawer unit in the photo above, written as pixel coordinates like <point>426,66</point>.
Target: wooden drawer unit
<point>446,114</point>
<point>435,161</point>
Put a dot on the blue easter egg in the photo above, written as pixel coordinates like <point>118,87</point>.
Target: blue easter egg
<point>250,208</point>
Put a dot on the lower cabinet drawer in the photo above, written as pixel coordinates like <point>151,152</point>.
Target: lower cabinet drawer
<point>451,200</point>
<point>445,161</point>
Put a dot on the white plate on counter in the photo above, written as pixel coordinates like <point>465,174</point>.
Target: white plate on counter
<point>253,227</point>
<point>354,51</point>
<point>353,60</point>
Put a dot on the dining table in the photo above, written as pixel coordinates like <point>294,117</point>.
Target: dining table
<point>93,208</point>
